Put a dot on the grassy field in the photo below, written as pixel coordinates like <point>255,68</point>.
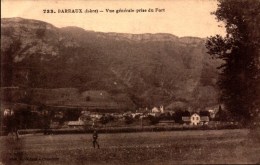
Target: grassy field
<point>158,148</point>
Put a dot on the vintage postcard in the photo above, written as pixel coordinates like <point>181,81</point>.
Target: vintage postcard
<point>130,82</point>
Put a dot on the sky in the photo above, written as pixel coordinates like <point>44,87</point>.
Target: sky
<point>178,17</point>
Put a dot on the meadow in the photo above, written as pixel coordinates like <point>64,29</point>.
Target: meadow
<point>155,148</point>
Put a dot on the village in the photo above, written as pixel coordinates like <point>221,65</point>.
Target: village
<point>67,108</point>
<point>83,119</point>
<point>155,116</point>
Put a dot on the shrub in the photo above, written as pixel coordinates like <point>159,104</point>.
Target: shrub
<point>153,119</point>
<point>129,119</point>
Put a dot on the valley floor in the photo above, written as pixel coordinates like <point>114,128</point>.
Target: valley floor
<point>175,147</point>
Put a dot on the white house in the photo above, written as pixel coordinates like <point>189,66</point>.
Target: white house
<point>158,110</point>
<point>155,110</point>
<point>161,109</point>
<point>8,112</point>
<point>195,119</point>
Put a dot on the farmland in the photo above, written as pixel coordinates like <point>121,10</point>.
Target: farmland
<point>173,147</point>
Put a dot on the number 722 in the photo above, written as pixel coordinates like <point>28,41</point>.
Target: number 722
<point>48,11</point>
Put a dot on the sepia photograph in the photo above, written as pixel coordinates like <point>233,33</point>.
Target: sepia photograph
<point>151,82</point>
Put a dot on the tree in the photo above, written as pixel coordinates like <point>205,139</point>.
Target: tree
<point>204,113</point>
<point>239,80</point>
<point>7,63</point>
<point>106,119</point>
<point>153,119</point>
<point>222,115</point>
<point>129,119</point>
<point>178,116</point>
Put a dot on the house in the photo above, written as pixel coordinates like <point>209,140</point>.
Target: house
<point>161,109</point>
<point>195,119</point>
<point>186,119</point>
<point>213,110</point>
<point>8,112</point>
<point>138,115</point>
<point>204,119</point>
<point>75,124</point>
<point>155,110</point>
<point>117,115</point>
<point>95,116</point>
<point>84,118</point>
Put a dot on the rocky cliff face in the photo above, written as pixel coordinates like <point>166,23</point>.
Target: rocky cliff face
<point>151,69</point>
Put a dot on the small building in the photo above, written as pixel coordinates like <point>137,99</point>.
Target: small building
<point>195,119</point>
<point>95,116</point>
<point>161,109</point>
<point>213,110</point>
<point>204,120</point>
<point>137,115</point>
<point>8,112</point>
<point>186,119</point>
<point>75,123</point>
<point>155,110</point>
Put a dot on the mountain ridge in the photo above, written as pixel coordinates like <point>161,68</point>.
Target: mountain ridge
<point>152,69</point>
